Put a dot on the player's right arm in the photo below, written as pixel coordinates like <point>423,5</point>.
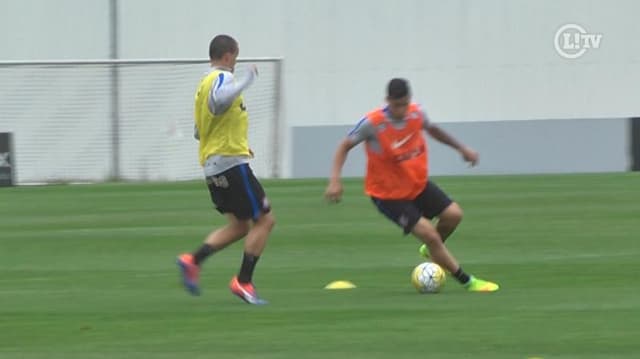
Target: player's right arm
<point>363,131</point>
<point>225,89</point>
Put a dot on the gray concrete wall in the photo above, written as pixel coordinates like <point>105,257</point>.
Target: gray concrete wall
<point>505,147</point>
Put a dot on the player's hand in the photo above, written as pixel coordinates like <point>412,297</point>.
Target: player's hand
<point>251,153</point>
<point>470,155</point>
<point>333,194</point>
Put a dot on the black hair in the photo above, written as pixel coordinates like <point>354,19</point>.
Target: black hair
<point>221,45</point>
<point>397,88</point>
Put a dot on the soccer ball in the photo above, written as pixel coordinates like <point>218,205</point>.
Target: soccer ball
<point>428,277</point>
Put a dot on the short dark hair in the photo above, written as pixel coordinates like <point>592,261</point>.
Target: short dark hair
<point>220,45</point>
<point>397,88</point>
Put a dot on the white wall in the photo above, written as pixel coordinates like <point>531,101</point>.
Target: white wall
<point>54,29</point>
<point>467,60</point>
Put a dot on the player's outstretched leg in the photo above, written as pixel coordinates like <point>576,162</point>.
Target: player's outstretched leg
<point>426,232</point>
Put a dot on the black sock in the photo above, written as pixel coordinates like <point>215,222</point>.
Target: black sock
<point>248,265</point>
<point>461,276</point>
<point>202,253</point>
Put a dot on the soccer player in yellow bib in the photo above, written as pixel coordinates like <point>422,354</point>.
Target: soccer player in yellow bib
<point>221,125</point>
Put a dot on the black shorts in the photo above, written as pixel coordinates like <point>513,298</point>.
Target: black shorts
<point>237,191</point>
<point>406,213</point>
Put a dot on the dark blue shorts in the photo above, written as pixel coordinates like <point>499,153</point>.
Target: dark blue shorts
<point>238,191</point>
<point>430,203</point>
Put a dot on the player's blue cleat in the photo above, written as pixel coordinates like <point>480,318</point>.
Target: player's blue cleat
<point>246,292</point>
<point>190,273</point>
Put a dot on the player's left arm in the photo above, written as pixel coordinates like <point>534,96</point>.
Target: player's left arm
<point>442,136</point>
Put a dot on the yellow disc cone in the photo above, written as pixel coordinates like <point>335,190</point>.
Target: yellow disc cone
<point>340,284</point>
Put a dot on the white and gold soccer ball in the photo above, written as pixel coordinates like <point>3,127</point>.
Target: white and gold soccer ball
<point>428,277</point>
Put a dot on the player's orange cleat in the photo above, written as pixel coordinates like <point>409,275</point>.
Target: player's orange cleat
<point>246,292</point>
<point>190,273</point>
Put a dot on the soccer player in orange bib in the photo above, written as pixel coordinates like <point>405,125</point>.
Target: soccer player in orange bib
<point>397,176</point>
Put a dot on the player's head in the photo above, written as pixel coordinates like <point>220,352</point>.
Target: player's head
<point>223,51</point>
<point>398,97</point>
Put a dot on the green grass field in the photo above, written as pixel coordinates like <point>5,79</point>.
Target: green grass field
<point>89,272</point>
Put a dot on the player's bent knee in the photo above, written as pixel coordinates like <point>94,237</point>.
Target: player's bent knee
<point>453,213</point>
<point>268,220</point>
